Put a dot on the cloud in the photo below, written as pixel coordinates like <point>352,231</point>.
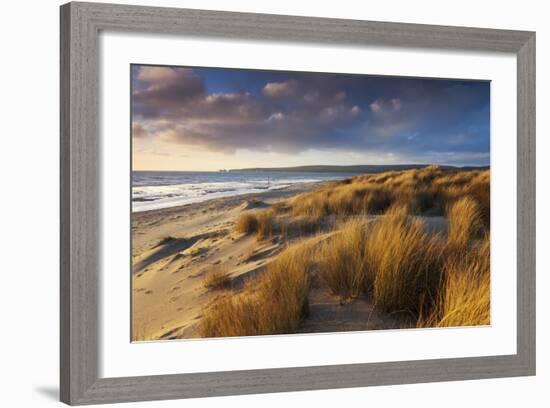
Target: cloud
<point>281,89</point>
<point>385,106</point>
<point>161,74</point>
<point>295,112</point>
<point>396,104</point>
<point>276,116</point>
<point>376,106</point>
<point>138,130</point>
<point>165,90</point>
<point>285,116</point>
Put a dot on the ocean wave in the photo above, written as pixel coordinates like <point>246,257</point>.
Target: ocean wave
<point>156,190</point>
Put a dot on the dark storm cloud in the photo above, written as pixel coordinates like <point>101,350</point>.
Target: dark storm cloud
<point>294,112</point>
<point>166,89</point>
<point>286,116</point>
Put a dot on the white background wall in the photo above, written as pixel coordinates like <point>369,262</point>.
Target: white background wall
<point>29,202</point>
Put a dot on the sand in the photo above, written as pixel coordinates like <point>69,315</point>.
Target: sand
<point>173,249</point>
<point>167,276</point>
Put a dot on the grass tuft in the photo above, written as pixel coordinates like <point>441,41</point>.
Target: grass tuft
<point>247,223</point>
<point>266,224</point>
<point>262,223</point>
<point>216,278</point>
<point>405,262</point>
<point>342,261</point>
<point>275,303</point>
<point>465,222</point>
<point>465,296</point>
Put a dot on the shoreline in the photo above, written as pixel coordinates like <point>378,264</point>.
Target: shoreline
<point>273,194</point>
<point>173,248</point>
<point>191,263</point>
<point>152,192</point>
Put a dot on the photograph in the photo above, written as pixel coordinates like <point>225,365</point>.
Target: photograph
<point>275,204</point>
<point>271,202</point>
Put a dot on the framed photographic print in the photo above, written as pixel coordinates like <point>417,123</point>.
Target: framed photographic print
<point>327,190</point>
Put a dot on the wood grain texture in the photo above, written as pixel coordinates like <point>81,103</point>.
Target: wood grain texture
<point>80,232</point>
<point>303,29</point>
<point>526,195</point>
<point>79,204</point>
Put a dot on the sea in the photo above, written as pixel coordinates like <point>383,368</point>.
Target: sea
<point>153,190</point>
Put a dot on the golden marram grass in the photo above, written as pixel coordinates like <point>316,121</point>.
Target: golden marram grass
<point>274,304</point>
<point>270,202</point>
<point>378,248</point>
<point>402,249</point>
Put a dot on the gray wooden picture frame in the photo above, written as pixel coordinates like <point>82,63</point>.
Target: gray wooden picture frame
<point>81,24</point>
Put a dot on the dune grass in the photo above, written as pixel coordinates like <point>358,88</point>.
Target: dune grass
<point>266,224</point>
<point>465,222</point>
<point>479,189</point>
<point>247,223</point>
<point>405,262</point>
<point>427,191</point>
<point>465,296</point>
<point>342,261</point>
<point>275,303</point>
<point>439,280</point>
<point>216,278</point>
<point>390,258</point>
<point>262,223</point>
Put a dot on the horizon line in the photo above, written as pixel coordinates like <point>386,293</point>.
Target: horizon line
<point>326,166</point>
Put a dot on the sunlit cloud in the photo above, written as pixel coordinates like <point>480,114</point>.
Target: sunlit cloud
<point>293,113</point>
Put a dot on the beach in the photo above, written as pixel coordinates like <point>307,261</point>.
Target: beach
<point>367,252</point>
<point>174,248</point>
<point>279,202</point>
<point>167,290</point>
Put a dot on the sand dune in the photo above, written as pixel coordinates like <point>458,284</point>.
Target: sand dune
<point>174,249</point>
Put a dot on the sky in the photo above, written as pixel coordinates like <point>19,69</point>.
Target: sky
<point>206,119</point>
